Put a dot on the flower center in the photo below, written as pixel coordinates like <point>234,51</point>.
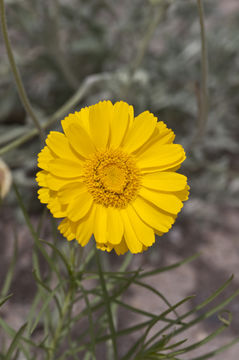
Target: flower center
<point>112,178</point>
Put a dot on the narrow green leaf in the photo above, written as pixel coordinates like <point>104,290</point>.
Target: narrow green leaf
<point>15,341</point>
<point>217,351</point>
<point>32,312</point>
<point>34,233</point>
<point>96,305</point>
<point>45,304</point>
<point>2,301</point>
<point>49,290</point>
<point>61,255</point>
<point>158,293</point>
<point>134,309</point>
<point>107,302</point>
<point>11,268</point>
<point>91,323</point>
<point>226,321</point>
<point>195,309</point>
<point>12,334</point>
<point>200,343</point>
<point>170,267</point>
<point>207,314</point>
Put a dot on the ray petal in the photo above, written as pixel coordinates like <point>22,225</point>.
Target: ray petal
<point>140,131</point>
<point>152,216</point>
<point>121,120</point>
<point>99,121</point>
<point>164,181</point>
<point>131,239</point>
<point>161,157</point>
<point>115,226</point>
<point>65,168</point>
<point>165,201</point>
<point>79,139</point>
<point>80,206</point>
<point>144,233</point>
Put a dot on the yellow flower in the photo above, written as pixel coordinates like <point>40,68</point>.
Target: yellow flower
<point>112,175</point>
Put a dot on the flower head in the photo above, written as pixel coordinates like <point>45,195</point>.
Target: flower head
<point>112,175</point>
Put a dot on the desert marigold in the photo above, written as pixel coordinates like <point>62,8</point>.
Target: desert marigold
<point>112,175</point>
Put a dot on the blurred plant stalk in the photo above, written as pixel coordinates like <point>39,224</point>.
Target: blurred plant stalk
<point>159,10</point>
<point>20,87</point>
<point>202,93</point>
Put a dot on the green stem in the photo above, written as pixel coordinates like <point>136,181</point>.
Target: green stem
<point>56,338</point>
<point>16,74</point>
<point>157,13</point>
<point>108,306</point>
<point>203,93</point>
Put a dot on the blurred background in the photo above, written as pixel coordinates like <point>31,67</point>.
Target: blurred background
<point>148,54</point>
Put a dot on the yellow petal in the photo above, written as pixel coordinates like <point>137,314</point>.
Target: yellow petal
<point>83,116</point>
<point>100,230</point>
<point>56,182</point>
<point>44,157</point>
<point>70,191</point>
<point>183,194</point>
<point>69,119</point>
<point>65,168</point>
<point>164,181</point>
<point>140,131</point>
<point>161,157</point>
<point>68,229</point>
<point>165,136</point>
<point>80,117</point>
<point>79,139</point>
<point>144,233</point>
<point>115,226</point>
<point>131,239</point>
<point>122,248</point>
<point>123,115</point>
<point>79,207</point>
<point>85,227</point>
<point>165,201</point>
<point>59,144</point>
<point>56,208</point>
<point>104,247</point>
<point>100,118</point>
<point>152,216</point>
<point>174,168</point>
<point>41,177</point>
<point>44,195</point>
<point>161,135</point>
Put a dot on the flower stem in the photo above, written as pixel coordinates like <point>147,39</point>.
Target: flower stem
<point>57,335</point>
<point>114,355</point>
<point>204,67</point>
<point>16,74</point>
<point>202,94</point>
<point>157,14</point>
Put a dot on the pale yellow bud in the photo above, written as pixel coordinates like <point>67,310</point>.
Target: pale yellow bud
<point>5,179</point>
